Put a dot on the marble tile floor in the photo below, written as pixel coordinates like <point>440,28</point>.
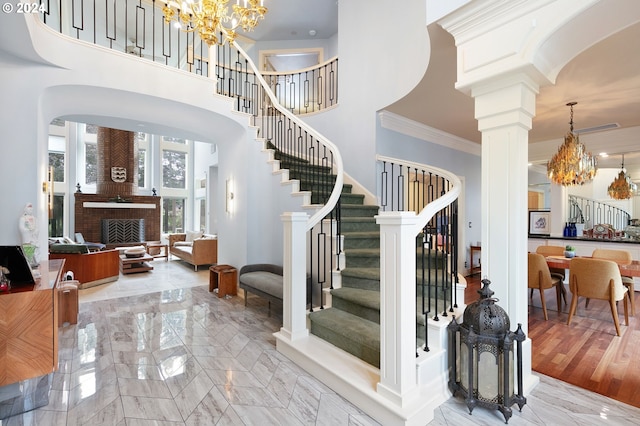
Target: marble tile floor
<point>157,348</point>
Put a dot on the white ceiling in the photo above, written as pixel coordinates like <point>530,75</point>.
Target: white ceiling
<point>604,80</point>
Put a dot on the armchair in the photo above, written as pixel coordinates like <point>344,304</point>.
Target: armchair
<point>597,279</point>
<point>621,257</point>
<point>540,278</point>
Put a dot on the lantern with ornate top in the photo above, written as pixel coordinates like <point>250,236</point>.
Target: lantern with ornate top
<point>481,356</point>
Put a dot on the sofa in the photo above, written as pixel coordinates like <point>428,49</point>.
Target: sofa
<point>194,248</point>
<point>89,268</point>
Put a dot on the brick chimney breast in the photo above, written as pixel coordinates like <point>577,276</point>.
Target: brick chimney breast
<point>117,162</point>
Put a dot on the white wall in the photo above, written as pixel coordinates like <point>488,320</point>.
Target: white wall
<point>378,65</point>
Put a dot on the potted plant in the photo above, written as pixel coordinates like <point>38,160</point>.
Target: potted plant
<point>569,251</point>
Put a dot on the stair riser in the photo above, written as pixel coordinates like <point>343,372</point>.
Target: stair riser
<point>358,211</point>
<point>344,198</point>
<point>367,354</point>
<point>362,283</point>
<point>355,309</point>
<point>359,243</point>
<point>359,226</point>
<point>364,261</point>
<point>305,169</point>
<point>326,188</point>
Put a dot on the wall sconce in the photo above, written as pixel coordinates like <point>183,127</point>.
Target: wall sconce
<point>47,188</point>
<point>229,197</point>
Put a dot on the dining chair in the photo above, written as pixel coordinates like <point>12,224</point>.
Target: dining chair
<point>540,278</point>
<point>597,279</point>
<point>624,257</point>
<point>553,251</point>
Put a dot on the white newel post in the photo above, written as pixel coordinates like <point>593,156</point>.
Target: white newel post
<point>397,306</point>
<point>294,292</point>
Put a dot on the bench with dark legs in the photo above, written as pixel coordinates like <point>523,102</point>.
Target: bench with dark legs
<point>262,279</point>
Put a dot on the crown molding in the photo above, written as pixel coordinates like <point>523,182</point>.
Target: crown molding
<point>400,124</point>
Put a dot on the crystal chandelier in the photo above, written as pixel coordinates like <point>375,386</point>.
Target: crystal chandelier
<point>210,17</point>
<point>621,188</point>
<point>572,164</point>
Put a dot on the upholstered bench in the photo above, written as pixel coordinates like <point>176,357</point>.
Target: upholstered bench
<point>262,279</point>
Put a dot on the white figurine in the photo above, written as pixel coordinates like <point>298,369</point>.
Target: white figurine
<point>29,231</point>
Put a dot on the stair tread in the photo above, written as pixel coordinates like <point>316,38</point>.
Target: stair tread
<point>357,329</point>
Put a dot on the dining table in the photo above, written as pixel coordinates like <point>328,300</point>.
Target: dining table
<point>627,269</point>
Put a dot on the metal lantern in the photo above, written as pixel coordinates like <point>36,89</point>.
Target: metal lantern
<point>481,356</point>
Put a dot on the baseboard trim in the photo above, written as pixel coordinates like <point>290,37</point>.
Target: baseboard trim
<point>357,381</point>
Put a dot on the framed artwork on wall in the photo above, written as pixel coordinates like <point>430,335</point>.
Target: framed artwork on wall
<point>539,222</point>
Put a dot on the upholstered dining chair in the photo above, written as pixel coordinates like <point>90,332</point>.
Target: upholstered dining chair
<point>619,256</point>
<point>540,278</point>
<point>553,251</point>
<point>597,279</point>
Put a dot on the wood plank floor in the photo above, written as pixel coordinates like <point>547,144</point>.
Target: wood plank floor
<point>586,353</point>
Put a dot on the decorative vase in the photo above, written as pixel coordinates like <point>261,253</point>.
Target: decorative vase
<point>5,284</point>
<point>569,254</point>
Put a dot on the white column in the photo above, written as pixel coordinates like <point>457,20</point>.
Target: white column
<point>559,207</point>
<point>397,306</point>
<point>294,291</point>
<point>504,111</point>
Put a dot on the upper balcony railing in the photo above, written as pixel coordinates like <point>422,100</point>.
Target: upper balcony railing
<point>593,212</point>
<point>138,28</point>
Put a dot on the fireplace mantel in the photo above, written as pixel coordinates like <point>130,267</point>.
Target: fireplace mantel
<point>114,205</point>
<point>90,209</point>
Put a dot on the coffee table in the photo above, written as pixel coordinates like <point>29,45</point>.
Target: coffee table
<point>130,265</point>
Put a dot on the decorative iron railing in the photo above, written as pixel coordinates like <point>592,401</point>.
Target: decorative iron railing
<point>592,212</point>
<point>130,26</point>
<point>432,194</point>
<point>138,28</point>
<point>306,91</point>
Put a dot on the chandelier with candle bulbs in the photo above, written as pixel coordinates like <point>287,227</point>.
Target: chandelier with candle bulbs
<point>621,188</point>
<point>210,17</point>
<point>572,164</point>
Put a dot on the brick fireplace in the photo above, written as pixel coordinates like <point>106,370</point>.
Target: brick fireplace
<point>116,190</point>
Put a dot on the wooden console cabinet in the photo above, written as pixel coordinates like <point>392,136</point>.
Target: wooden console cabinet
<point>29,327</point>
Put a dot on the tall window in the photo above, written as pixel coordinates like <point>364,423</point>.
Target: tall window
<point>56,221</point>
<point>203,214</point>
<point>91,163</point>
<point>142,162</point>
<point>174,191</point>
<point>57,160</point>
<point>173,215</point>
<point>144,168</point>
<point>174,169</point>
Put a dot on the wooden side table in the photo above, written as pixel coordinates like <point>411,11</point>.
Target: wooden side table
<point>158,250</point>
<point>223,279</point>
